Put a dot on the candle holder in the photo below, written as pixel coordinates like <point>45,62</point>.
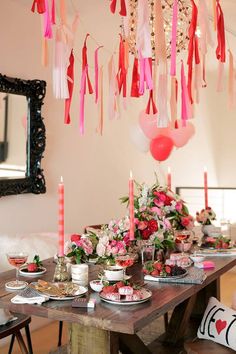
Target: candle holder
<point>61,274</point>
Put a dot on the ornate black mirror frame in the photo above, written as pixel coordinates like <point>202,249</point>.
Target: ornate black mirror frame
<point>34,181</point>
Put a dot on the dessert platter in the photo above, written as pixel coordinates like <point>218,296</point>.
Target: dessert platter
<point>159,270</point>
<point>125,294</point>
<point>59,291</point>
<point>23,271</point>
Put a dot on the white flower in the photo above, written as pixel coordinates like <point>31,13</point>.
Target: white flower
<point>101,249</point>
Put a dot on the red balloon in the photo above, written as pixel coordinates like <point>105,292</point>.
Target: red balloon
<point>161,147</point>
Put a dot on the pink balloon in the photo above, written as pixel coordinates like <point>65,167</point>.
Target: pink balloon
<point>161,147</point>
<point>182,134</point>
<point>148,124</point>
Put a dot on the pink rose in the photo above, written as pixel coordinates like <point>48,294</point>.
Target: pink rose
<point>142,225</point>
<point>179,206</point>
<point>75,237</point>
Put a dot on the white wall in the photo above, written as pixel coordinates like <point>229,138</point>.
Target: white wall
<point>96,169</point>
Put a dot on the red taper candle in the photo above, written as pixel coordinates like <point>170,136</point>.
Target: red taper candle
<point>205,188</point>
<point>131,207</point>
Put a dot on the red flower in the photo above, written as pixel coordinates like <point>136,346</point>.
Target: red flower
<point>152,225</point>
<point>75,238</point>
<point>146,234</point>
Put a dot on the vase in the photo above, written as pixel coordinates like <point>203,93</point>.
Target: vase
<point>79,274</point>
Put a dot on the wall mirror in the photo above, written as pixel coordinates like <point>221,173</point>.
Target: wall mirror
<point>22,136</point>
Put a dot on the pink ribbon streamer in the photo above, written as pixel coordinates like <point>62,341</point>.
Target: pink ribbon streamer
<point>82,96</point>
<point>96,73</point>
<point>47,21</point>
<point>231,82</point>
<point>160,41</point>
<point>163,119</point>
<point>185,106</point>
<point>100,103</point>
<point>173,99</point>
<point>145,74</point>
<point>173,39</point>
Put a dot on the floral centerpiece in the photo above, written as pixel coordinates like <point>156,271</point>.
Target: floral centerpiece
<point>158,212</point>
<point>206,216</point>
<point>81,247</point>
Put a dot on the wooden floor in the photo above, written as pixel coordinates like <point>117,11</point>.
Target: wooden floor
<point>45,339</point>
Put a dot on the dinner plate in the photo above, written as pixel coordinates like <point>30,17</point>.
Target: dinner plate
<point>170,276</point>
<point>146,294</point>
<point>24,272</point>
<point>78,290</point>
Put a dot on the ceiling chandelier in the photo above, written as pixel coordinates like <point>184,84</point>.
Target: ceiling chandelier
<point>184,18</point>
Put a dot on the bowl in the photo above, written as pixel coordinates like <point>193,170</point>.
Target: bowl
<point>197,259</point>
<point>96,285</point>
<point>114,273</point>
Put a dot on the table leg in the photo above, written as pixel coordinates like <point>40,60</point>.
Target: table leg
<point>91,340</point>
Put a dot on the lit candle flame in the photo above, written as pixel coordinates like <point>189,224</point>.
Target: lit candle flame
<point>130,175</point>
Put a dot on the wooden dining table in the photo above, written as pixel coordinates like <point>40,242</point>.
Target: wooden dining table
<point>108,328</point>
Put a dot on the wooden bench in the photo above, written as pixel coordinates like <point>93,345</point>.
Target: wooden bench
<point>204,346</point>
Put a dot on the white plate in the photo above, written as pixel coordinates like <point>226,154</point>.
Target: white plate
<point>11,285</point>
<point>23,271</point>
<point>126,277</point>
<point>81,290</point>
<point>147,294</point>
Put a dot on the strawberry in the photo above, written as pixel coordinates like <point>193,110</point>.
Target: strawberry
<point>155,272</point>
<point>120,284</point>
<point>32,267</point>
<point>157,265</point>
<point>109,289</point>
<point>225,245</point>
<point>168,269</point>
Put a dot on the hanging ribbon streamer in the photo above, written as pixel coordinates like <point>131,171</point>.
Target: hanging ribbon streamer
<point>214,14</point>
<point>143,38</point>
<point>151,104</point>
<point>173,39</point>
<point>70,82</point>
<point>123,11</point>
<point>173,99</point>
<point>85,64</point>
<point>100,102</point>
<point>82,98</point>
<point>192,47</point>
<point>205,38</point>
<point>163,119</point>
<point>63,12</point>
<point>145,65</point>
<point>135,80</point>
<point>220,50</point>
<point>160,41</point>
<point>113,106</point>
<point>122,72</point>
<point>44,52</point>
<point>96,73</point>
<point>47,21</point>
<point>61,56</point>
<point>127,20</point>
<point>53,13</point>
<point>231,82</point>
<point>40,4</point>
<point>185,104</point>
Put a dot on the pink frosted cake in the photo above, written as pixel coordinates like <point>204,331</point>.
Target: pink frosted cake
<point>113,296</point>
<point>126,290</point>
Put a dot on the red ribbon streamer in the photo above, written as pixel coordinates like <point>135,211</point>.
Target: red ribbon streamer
<point>85,64</point>
<point>40,6</point>
<point>151,103</point>
<point>70,81</point>
<point>135,80</point>
<point>122,72</point>
<point>123,11</point>
<point>53,13</point>
<point>220,50</point>
<point>193,46</point>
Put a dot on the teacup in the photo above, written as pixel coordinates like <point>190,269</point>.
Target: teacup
<point>114,273</point>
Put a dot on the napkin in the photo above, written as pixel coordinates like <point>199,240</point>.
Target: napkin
<point>29,296</point>
<point>193,276</point>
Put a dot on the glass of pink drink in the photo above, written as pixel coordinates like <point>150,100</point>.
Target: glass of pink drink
<point>17,259</point>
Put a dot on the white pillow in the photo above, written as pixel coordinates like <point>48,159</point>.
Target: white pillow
<point>218,324</point>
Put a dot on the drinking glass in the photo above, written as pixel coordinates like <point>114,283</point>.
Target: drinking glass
<point>147,252</point>
<point>16,259</point>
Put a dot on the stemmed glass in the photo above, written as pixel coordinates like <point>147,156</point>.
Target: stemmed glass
<point>184,238</point>
<point>16,259</point>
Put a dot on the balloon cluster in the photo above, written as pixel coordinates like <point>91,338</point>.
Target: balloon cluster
<point>160,141</point>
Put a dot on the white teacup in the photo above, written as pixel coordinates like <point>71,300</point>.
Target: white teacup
<point>114,273</point>
<point>79,274</point>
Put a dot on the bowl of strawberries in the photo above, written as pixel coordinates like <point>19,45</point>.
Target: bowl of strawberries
<point>159,269</point>
<point>34,268</point>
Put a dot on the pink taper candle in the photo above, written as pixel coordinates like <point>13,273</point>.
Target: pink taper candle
<point>169,178</point>
<point>131,207</point>
<point>205,188</point>
<point>61,218</point>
